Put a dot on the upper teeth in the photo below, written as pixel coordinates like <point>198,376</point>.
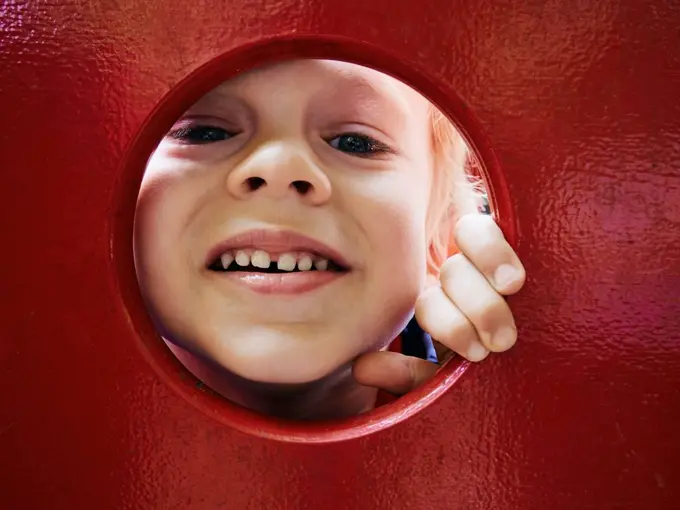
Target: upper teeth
<point>227,259</point>
<point>305,263</point>
<point>285,261</point>
<point>242,258</point>
<point>260,259</point>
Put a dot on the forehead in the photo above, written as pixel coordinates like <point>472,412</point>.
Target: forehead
<point>333,79</point>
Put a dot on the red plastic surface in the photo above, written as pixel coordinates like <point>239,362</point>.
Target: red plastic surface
<point>573,108</point>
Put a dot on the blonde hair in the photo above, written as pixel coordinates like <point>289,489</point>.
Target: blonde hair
<point>454,190</point>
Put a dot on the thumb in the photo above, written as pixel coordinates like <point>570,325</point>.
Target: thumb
<point>392,372</point>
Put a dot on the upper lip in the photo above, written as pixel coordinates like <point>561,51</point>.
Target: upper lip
<point>276,241</point>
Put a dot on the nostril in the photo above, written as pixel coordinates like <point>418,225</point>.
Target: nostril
<point>254,183</point>
<point>302,187</point>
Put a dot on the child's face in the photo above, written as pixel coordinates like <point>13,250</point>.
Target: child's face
<point>335,152</point>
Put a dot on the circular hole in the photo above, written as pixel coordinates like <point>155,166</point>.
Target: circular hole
<point>296,162</point>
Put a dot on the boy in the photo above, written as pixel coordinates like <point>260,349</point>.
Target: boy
<point>290,223</point>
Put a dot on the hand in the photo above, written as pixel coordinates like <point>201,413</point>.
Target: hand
<point>464,311</point>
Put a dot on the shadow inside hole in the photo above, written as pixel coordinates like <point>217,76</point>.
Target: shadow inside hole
<point>285,226</point>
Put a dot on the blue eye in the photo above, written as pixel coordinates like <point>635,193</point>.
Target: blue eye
<point>199,135</point>
<point>358,145</point>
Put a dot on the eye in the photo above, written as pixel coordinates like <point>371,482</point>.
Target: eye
<point>199,135</point>
<point>358,145</point>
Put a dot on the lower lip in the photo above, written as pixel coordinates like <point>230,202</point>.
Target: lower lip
<point>283,283</point>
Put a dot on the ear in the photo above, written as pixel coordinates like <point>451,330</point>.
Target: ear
<point>441,244</point>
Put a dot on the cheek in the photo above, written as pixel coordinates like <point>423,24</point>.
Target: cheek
<point>393,218</point>
<point>151,237</point>
<point>170,194</point>
<point>399,214</point>
<point>393,224</point>
<point>163,207</point>
<point>156,223</point>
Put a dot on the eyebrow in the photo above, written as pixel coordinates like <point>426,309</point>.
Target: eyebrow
<point>220,95</point>
<point>380,103</point>
<point>380,98</point>
<point>377,90</point>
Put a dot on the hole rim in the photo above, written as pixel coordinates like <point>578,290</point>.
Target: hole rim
<point>161,118</point>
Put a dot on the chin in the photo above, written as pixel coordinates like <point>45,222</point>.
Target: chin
<point>297,369</point>
<point>277,354</point>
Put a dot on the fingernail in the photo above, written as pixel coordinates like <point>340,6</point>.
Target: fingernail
<point>504,338</point>
<point>505,275</point>
<point>477,352</point>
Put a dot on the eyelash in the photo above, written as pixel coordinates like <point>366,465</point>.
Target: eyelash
<point>183,134</point>
<point>374,148</point>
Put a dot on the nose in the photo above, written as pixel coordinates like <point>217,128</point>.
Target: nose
<point>278,170</point>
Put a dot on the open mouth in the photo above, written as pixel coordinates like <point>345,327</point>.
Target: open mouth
<point>261,261</point>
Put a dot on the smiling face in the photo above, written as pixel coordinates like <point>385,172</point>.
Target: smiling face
<point>280,226</point>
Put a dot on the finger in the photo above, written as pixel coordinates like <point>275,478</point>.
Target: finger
<point>443,353</point>
<point>438,315</point>
<point>474,296</point>
<point>481,240</point>
<point>393,372</point>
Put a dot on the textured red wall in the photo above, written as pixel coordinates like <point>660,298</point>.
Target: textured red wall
<point>573,107</point>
